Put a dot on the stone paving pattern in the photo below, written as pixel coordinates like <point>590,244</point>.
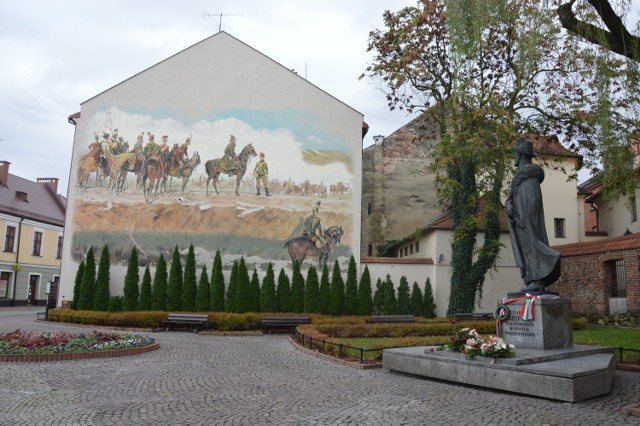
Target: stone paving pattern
<point>262,380</point>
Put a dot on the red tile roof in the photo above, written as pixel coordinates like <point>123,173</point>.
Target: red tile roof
<point>42,204</point>
<point>624,242</point>
<point>398,260</point>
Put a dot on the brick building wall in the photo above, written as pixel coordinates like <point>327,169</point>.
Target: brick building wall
<point>588,273</point>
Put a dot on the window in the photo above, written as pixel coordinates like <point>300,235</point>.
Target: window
<point>618,287</point>
<point>369,209</point>
<point>559,227</point>
<point>59,250</point>
<point>37,243</point>
<point>417,246</point>
<point>634,209</point>
<point>369,250</point>
<point>410,248</point>
<point>406,251</point>
<point>10,239</point>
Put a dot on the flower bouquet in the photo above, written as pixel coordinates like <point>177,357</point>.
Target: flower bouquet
<point>469,342</point>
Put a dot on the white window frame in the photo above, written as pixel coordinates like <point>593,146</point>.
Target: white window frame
<point>15,236</point>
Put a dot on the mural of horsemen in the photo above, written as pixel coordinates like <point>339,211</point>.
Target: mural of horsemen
<point>254,210</point>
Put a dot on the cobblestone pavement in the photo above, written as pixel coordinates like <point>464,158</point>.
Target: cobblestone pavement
<point>262,380</point>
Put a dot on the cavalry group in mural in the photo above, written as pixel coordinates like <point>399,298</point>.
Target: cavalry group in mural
<point>144,172</point>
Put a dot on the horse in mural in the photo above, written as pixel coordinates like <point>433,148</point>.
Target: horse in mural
<point>151,170</point>
<point>214,169</point>
<point>301,247</point>
<point>121,166</point>
<point>184,172</point>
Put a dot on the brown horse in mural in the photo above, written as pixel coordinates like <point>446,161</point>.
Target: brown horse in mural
<point>151,170</point>
<point>214,169</point>
<point>301,247</point>
<point>184,172</point>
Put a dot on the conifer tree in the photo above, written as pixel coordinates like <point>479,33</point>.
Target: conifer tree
<point>404,299</point>
<point>351,288</point>
<point>378,296</point>
<point>337,291</point>
<point>390,304</point>
<point>77,286</point>
<point>232,291</point>
<point>203,297</point>
<point>283,293</point>
<point>145,291</point>
<point>297,289</point>
<point>115,304</point>
<point>311,291</point>
<point>268,298</point>
<point>244,287</point>
<point>189,282</point>
<point>159,294</point>
<point>365,304</point>
<point>254,289</point>
<point>416,300</point>
<point>87,288</point>
<point>101,296</point>
<point>174,291</point>
<point>325,291</point>
<point>131,280</point>
<point>429,305</point>
<point>217,285</point>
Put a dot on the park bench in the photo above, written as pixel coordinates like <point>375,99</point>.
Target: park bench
<point>283,323</point>
<point>475,316</point>
<point>197,320</point>
<point>379,319</point>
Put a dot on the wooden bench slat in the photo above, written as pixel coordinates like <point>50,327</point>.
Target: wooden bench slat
<point>193,319</point>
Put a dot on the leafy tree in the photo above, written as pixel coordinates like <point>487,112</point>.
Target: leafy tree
<point>312,291</point>
<point>403,305</point>
<point>365,304</point>
<point>232,291</point>
<point>351,289</point>
<point>487,72</point>
<point>297,289</point>
<point>429,305</point>
<point>337,291</point>
<point>77,286</point>
<point>115,304</point>
<point>174,292</point>
<point>390,304</point>
<point>145,291</point>
<point>101,296</point>
<point>203,297</point>
<point>378,296</point>
<point>268,297</point>
<point>244,287</point>
<point>87,288</point>
<point>189,282</point>
<point>131,280</point>
<point>283,293</point>
<point>159,291</point>
<point>616,37</point>
<point>325,291</point>
<point>416,300</point>
<point>254,289</point>
<point>217,285</point>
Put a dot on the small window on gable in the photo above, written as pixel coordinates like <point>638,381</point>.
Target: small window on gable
<point>559,228</point>
<point>22,196</point>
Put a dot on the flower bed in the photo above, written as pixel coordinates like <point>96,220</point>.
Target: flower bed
<point>23,346</point>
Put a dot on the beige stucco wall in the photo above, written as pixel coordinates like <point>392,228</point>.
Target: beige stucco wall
<point>615,217</point>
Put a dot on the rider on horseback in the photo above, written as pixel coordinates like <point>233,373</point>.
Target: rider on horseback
<point>229,162</point>
<point>313,229</point>
<point>181,154</point>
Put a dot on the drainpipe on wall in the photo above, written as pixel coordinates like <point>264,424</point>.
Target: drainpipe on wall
<point>15,272</point>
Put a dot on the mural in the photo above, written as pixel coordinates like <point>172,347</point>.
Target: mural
<point>267,185</point>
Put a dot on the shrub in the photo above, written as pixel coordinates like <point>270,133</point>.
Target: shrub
<point>337,291</point>
<point>101,296</point>
<point>77,286</point>
<point>87,289</point>
<point>217,285</point>
<point>131,279</point>
<point>203,298</point>
<point>416,300</point>
<point>297,289</point>
<point>145,291</point>
<point>115,304</point>
<point>351,289</point>
<point>268,301</point>
<point>232,291</point>
<point>159,290</point>
<point>404,299</point>
<point>325,291</point>
<point>311,291</point>
<point>365,304</point>
<point>254,292</point>
<point>174,292</point>
<point>189,283</point>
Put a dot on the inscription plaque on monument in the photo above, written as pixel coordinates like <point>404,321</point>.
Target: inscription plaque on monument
<point>550,328</point>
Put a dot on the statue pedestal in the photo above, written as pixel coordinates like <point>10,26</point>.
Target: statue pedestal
<point>550,328</point>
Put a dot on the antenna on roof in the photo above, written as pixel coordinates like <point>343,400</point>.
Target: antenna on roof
<point>209,15</point>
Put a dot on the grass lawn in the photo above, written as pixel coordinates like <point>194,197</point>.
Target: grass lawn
<point>628,338</point>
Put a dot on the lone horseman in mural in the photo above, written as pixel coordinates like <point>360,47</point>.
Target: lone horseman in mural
<point>314,242</point>
<point>180,156</point>
<point>220,165</point>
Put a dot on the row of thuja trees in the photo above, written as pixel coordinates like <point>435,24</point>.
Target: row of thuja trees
<point>178,289</point>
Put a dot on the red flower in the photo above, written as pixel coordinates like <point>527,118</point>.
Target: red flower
<point>453,321</point>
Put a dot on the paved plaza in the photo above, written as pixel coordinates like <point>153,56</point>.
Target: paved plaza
<point>262,380</point>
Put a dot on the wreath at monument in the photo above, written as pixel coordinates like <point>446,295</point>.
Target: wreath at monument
<point>468,341</point>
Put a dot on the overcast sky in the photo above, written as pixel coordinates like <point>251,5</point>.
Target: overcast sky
<point>58,54</point>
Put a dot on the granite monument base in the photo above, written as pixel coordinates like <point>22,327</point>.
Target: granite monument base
<point>568,374</point>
